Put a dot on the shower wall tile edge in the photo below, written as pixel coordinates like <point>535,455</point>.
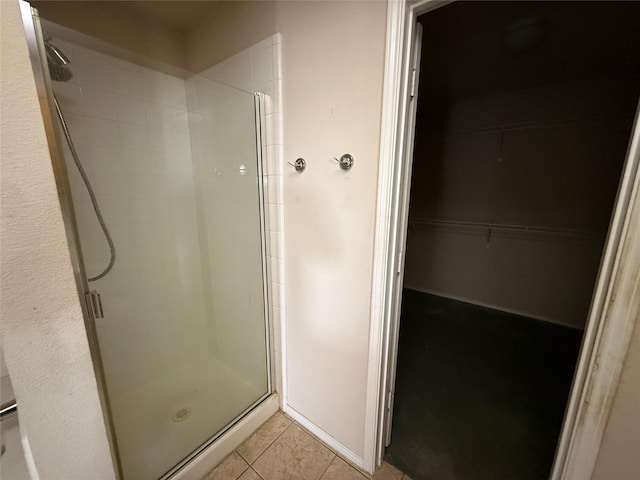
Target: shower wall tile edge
<point>259,69</point>
<point>266,70</point>
<point>274,170</point>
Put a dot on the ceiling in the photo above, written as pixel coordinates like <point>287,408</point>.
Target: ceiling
<point>465,51</point>
<point>178,15</point>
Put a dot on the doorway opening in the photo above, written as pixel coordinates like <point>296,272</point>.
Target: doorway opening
<point>524,113</point>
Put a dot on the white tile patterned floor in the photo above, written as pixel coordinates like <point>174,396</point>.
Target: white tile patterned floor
<point>283,450</point>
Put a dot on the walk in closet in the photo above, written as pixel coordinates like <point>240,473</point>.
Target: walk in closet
<point>523,122</point>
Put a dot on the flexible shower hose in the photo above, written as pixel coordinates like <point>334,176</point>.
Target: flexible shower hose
<point>94,200</point>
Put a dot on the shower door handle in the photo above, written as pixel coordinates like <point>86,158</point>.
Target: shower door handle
<point>95,303</point>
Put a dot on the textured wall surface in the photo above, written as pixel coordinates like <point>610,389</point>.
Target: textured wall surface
<point>333,58</point>
<point>43,335</point>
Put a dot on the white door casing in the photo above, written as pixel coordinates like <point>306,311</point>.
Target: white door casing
<point>397,114</point>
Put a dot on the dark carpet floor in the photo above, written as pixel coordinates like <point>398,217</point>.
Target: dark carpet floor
<point>480,394</point>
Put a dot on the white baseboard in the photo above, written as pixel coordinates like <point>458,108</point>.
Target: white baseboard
<point>331,442</point>
<point>197,468</point>
<point>489,305</point>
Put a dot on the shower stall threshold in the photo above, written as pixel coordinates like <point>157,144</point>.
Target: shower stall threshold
<point>241,429</point>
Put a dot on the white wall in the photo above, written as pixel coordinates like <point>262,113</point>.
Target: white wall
<point>6,389</point>
<point>333,56</point>
<point>3,366</point>
<point>43,335</point>
<point>561,172</point>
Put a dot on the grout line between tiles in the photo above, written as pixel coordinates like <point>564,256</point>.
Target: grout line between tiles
<point>259,476</point>
<point>335,454</point>
<point>242,456</point>
<point>293,422</point>
<point>248,467</point>
<point>346,460</point>
<point>208,474</point>
<point>274,441</point>
<point>330,463</point>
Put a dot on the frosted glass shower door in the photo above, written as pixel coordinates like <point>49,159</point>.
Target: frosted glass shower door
<point>176,172</point>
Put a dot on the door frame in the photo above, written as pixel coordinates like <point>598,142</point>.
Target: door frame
<point>615,303</point>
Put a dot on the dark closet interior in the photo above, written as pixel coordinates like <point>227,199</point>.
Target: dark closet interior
<point>524,115</point>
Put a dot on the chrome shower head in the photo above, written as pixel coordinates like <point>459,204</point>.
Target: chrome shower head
<point>55,54</point>
<point>57,61</point>
<point>60,73</point>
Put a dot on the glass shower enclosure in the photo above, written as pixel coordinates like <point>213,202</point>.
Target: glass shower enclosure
<point>173,163</point>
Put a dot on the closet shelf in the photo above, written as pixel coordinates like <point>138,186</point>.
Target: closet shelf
<point>507,227</point>
<point>526,125</point>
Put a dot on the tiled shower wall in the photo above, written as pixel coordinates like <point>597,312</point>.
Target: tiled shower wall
<point>259,69</point>
<point>130,127</point>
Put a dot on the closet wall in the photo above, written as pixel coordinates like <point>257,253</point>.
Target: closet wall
<point>527,145</point>
<point>546,156</point>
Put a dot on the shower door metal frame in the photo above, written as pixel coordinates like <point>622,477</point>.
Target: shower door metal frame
<point>261,141</point>
<point>37,56</point>
<point>611,317</point>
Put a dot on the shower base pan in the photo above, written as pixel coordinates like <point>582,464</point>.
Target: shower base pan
<point>162,422</point>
